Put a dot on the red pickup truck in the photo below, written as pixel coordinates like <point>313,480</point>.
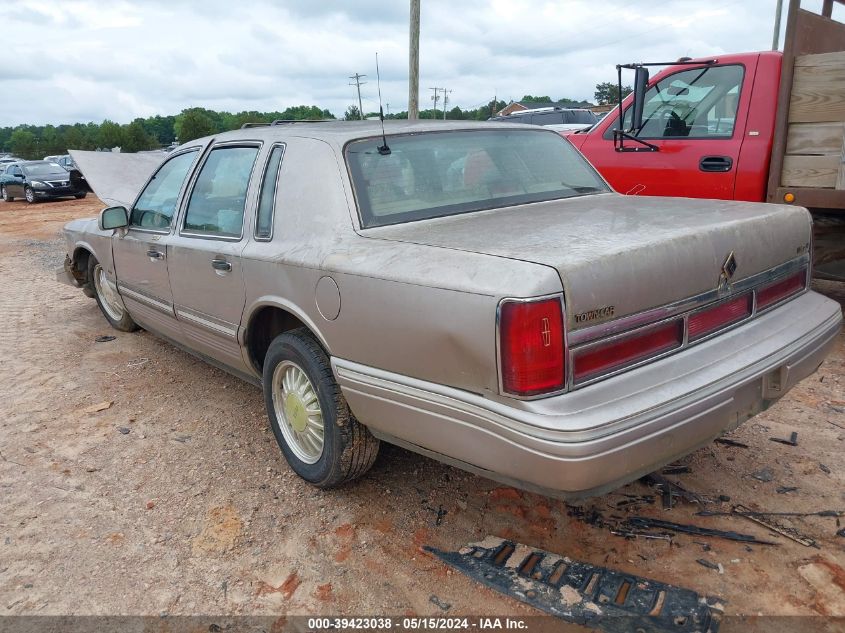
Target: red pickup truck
<point>764,126</point>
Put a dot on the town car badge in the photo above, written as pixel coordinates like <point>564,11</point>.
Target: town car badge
<point>728,270</point>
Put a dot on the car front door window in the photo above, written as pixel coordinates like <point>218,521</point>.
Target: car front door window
<point>157,203</point>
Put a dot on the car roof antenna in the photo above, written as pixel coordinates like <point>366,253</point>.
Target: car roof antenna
<point>384,150</point>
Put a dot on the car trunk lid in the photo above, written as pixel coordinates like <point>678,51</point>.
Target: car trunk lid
<point>621,255</point>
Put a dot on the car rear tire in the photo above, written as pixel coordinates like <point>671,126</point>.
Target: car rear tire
<point>79,196</point>
<point>319,437</point>
<point>29,194</point>
<point>5,194</point>
<point>105,292</point>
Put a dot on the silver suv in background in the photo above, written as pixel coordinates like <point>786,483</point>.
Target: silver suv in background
<point>559,119</point>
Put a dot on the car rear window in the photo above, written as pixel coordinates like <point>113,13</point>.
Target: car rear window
<point>436,174</point>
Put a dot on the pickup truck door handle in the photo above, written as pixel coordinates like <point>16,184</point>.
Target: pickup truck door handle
<point>716,163</point>
<point>155,254</point>
<point>221,264</point>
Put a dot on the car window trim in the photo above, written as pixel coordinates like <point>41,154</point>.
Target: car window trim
<point>181,232</point>
<point>174,155</point>
<point>269,238</point>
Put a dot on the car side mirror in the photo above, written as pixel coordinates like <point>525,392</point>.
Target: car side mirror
<point>640,87</point>
<point>113,218</point>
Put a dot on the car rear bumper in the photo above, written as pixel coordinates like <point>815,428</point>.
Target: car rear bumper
<point>602,436</point>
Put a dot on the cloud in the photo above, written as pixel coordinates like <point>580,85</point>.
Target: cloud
<point>88,60</point>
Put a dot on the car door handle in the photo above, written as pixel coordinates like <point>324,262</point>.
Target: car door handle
<point>155,254</point>
<point>221,264</point>
<point>716,163</point>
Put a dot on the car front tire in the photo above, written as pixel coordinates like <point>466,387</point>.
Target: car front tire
<point>29,194</point>
<point>111,305</point>
<point>317,433</point>
<point>80,196</point>
<point>5,194</point>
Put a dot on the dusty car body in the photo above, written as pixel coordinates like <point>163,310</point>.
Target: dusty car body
<point>519,320</point>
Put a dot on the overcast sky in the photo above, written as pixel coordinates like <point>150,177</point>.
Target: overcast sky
<point>79,60</point>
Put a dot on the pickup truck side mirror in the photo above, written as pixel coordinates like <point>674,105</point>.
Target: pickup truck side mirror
<point>113,218</point>
<point>640,87</point>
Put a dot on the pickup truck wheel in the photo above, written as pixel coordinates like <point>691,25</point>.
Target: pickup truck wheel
<point>111,305</point>
<point>5,194</point>
<point>29,194</point>
<point>320,439</point>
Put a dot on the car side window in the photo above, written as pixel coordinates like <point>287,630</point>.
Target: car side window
<point>267,198</point>
<point>694,103</point>
<point>216,206</point>
<point>157,203</point>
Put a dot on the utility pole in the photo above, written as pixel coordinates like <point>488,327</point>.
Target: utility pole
<point>358,83</point>
<point>446,92</point>
<point>414,63</point>
<point>435,99</point>
<point>776,34</point>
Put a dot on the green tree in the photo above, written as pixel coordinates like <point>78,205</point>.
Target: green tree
<point>352,113</point>
<point>533,99</point>
<point>109,135</point>
<point>24,144</point>
<point>608,92</point>
<point>193,123</point>
<point>136,138</point>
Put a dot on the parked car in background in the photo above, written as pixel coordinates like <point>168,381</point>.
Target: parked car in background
<point>8,159</point>
<point>37,180</point>
<point>561,119</point>
<point>472,291</point>
<point>77,179</point>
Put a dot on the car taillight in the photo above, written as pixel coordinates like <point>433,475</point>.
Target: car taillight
<point>627,350</point>
<point>531,346</point>
<point>779,290</point>
<point>709,320</point>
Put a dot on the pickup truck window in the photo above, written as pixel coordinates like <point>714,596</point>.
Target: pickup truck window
<point>216,207</point>
<point>157,202</point>
<point>435,174</point>
<point>267,197</point>
<point>692,103</point>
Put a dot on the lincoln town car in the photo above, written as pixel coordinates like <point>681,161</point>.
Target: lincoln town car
<point>475,292</point>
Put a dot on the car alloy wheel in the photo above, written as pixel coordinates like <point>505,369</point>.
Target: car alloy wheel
<point>3,193</point>
<point>30,195</point>
<point>107,292</point>
<point>298,411</point>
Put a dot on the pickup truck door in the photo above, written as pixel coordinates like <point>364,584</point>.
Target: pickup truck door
<point>696,119</point>
<point>205,267</point>
<point>140,253</point>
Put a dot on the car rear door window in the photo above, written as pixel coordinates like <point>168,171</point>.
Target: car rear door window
<point>157,203</point>
<point>267,198</point>
<point>216,206</point>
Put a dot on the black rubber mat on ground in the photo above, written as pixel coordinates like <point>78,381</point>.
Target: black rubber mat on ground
<point>597,597</point>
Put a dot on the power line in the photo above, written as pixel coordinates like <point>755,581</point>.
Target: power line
<point>358,83</point>
<point>446,92</point>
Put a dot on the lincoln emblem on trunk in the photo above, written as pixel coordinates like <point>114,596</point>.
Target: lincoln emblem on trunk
<point>728,270</point>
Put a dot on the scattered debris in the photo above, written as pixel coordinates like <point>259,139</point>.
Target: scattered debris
<point>724,498</point>
<point>788,532</point>
<point>104,339</point>
<point>671,489</point>
<point>706,563</point>
<point>677,470</point>
<point>746,512</point>
<point>100,406</point>
<point>705,546</point>
<point>440,511</point>
<point>727,442</point>
<point>840,532</point>
<point>824,469</point>
<point>792,441</point>
<point>649,523</point>
<point>438,602</point>
<point>578,592</point>
<point>123,430</point>
<point>782,490</point>
<point>138,362</point>
<point>150,504</point>
<point>764,475</point>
